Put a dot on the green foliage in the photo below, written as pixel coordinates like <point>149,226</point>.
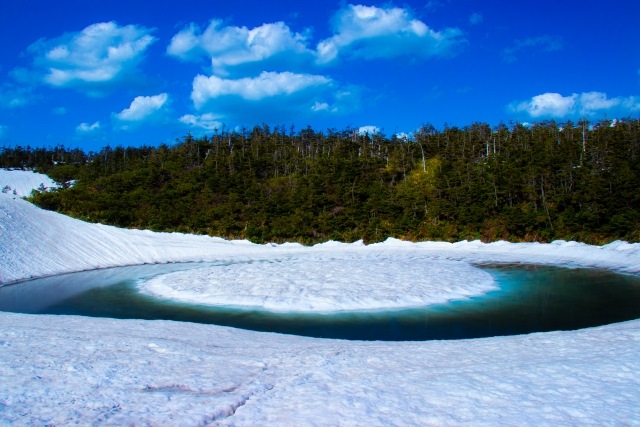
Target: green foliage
<point>518,183</point>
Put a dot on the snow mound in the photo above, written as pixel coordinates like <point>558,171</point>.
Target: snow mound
<point>313,283</point>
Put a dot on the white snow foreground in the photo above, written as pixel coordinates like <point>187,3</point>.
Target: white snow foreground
<point>63,370</point>
<point>60,370</point>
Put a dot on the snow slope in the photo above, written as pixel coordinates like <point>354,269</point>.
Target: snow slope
<point>23,182</point>
<point>60,370</point>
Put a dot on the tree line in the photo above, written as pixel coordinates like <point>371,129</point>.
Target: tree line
<point>539,182</point>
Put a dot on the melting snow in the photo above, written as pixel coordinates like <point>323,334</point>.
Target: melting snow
<point>305,283</point>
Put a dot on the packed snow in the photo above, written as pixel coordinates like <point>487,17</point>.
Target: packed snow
<point>318,283</point>
<point>60,370</point>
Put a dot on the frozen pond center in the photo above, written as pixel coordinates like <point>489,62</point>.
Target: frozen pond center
<point>324,284</point>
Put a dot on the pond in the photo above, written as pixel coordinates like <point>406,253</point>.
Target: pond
<point>529,298</point>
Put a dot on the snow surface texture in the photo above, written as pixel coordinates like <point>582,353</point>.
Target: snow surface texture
<point>318,283</point>
<point>61,370</point>
<point>20,183</point>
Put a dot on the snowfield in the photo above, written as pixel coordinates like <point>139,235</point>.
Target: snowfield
<point>23,182</point>
<point>61,370</point>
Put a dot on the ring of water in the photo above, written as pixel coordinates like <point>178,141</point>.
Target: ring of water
<point>516,299</point>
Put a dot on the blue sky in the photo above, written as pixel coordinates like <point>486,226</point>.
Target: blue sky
<point>86,74</point>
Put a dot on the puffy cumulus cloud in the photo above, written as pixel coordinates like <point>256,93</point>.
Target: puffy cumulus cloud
<point>86,128</point>
<point>266,85</point>
<point>547,104</point>
<point>368,130</point>
<point>273,98</point>
<point>231,46</point>
<point>205,122</point>
<point>93,58</point>
<point>371,32</point>
<point>585,104</point>
<point>544,43</point>
<point>142,107</point>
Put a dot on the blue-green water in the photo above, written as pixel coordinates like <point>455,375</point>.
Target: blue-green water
<point>530,299</point>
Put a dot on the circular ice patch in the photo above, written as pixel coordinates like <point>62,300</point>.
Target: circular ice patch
<point>308,283</point>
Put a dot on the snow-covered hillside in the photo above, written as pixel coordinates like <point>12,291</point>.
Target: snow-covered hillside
<point>61,370</point>
<point>20,183</point>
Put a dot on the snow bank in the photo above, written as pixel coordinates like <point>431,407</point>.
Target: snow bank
<point>35,243</point>
<point>61,370</point>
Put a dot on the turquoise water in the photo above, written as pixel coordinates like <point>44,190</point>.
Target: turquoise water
<point>530,299</point>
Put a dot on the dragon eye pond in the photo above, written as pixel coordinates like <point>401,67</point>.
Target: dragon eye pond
<point>526,299</point>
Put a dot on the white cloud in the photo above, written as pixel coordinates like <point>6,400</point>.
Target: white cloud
<point>544,43</point>
<point>631,103</point>
<point>88,128</point>
<point>230,46</point>
<point>585,104</point>
<point>592,102</point>
<point>272,98</point>
<point>98,55</point>
<point>476,18</point>
<point>142,107</point>
<point>547,104</point>
<point>370,32</point>
<point>371,130</point>
<point>207,121</point>
<point>404,136</point>
<point>320,106</point>
<point>266,85</point>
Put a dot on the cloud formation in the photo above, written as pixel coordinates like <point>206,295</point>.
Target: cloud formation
<point>272,98</point>
<point>543,43</point>
<point>257,73</point>
<point>368,130</point>
<point>266,85</point>
<point>205,122</point>
<point>370,32</point>
<point>552,104</point>
<point>90,59</point>
<point>142,107</point>
<point>86,128</point>
<point>231,46</point>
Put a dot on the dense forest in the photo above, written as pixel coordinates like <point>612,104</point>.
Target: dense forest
<point>537,182</point>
